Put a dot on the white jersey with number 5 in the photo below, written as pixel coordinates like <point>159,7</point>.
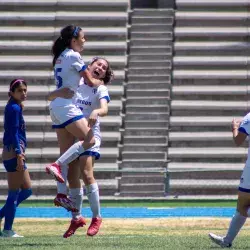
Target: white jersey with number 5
<point>67,68</point>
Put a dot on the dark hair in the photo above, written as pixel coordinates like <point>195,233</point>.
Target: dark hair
<point>63,41</point>
<point>14,84</point>
<point>109,72</point>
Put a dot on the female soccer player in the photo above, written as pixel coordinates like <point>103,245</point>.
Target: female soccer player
<point>94,103</point>
<point>240,131</point>
<point>14,145</point>
<point>67,118</point>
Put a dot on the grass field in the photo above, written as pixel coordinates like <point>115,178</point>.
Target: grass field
<point>128,234</point>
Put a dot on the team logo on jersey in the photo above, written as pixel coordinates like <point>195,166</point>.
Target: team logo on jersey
<point>94,91</point>
<point>241,180</point>
<point>244,122</point>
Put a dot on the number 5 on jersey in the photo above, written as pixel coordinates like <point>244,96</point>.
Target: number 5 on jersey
<point>58,77</point>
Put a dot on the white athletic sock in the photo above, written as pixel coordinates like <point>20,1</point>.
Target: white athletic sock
<point>236,224</point>
<point>71,154</point>
<point>92,192</point>
<point>76,195</point>
<point>62,187</point>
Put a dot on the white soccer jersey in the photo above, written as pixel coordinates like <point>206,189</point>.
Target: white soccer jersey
<point>67,68</point>
<point>245,128</point>
<point>88,98</point>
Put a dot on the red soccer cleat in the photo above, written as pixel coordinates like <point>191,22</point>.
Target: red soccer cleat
<point>74,225</point>
<point>55,170</point>
<point>62,200</point>
<point>94,226</point>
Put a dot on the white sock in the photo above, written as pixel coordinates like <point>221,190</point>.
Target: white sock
<point>92,192</point>
<point>76,195</point>
<point>62,187</point>
<point>236,224</point>
<point>71,154</point>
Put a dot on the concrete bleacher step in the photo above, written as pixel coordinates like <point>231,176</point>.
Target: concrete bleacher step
<point>148,93</point>
<point>190,92</point>
<point>153,12</point>
<point>211,18</point>
<point>148,27</point>
<point>201,139</point>
<point>216,108</point>
<point>149,139</point>
<point>153,34</point>
<point>218,33</point>
<point>42,91</point>
<point>225,48</point>
<point>146,116</point>
<point>150,108</point>
<point>143,194</point>
<point>43,123</point>
<point>148,77</point>
<point>135,146</point>
<point>38,139</point>
<point>147,85</point>
<point>152,19</point>
<point>49,154</point>
<point>146,123</point>
<point>150,42</point>
<point>144,49</point>
<point>211,62</point>
<point>149,56</point>
<point>62,18</point>
<point>43,187</point>
<point>127,155</point>
<point>130,187</point>
<point>143,163</point>
<point>93,33</point>
<point>150,63</point>
<point>134,178</point>
<point>44,76</point>
<point>144,131</point>
<point>153,70</point>
<point>203,187</point>
<point>48,5</point>
<point>201,123</point>
<point>214,154</point>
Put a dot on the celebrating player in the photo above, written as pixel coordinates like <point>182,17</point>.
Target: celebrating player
<point>94,103</point>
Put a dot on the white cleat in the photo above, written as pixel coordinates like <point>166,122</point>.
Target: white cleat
<point>219,240</point>
<point>10,234</point>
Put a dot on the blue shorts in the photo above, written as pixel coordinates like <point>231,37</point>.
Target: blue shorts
<point>10,165</point>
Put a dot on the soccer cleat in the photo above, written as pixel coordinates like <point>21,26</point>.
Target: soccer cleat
<point>10,234</point>
<point>62,200</point>
<point>94,226</point>
<point>219,240</point>
<point>55,170</point>
<point>74,225</point>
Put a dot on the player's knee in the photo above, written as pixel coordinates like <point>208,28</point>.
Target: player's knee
<point>243,211</point>
<point>89,144</point>
<point>88,177</point>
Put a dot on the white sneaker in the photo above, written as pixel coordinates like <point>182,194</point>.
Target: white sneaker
<point>219,240</point>
<point>10,234</point>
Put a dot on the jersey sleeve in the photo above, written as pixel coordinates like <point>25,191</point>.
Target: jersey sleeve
<point>245,125</point>
<point>103,93</point>
<point>77,62</point>
<point>13,120</point>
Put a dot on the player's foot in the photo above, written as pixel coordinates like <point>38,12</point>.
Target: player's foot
<point>219,240</point>
<point>94,226</point>
<point>62,200</point>
<point>10,234</point>
<point>74,225</point>
<point>55,170</point>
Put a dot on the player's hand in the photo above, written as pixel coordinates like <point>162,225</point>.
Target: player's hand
<point>20,163</point>
<point>67,93</point>
<point>235,124</point>
<point>92,118</point>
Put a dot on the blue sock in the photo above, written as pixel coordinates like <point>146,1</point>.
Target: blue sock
<point>23,195</point>
<point>10,209</point>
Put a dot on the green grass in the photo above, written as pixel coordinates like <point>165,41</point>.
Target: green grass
<point>128,234</point>
<point>171,203</point>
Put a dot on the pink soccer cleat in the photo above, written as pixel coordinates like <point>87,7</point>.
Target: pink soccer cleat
<point>55,170</point>
<point>94,226</point>
<point>62,200</point>
<point>74,225</point>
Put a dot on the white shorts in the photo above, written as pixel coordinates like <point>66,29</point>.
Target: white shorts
<point>64,115</point>
<point>95,150</point>
<point>245,179</point>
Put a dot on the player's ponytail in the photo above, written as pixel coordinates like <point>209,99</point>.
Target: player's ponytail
<point>64,40</point>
